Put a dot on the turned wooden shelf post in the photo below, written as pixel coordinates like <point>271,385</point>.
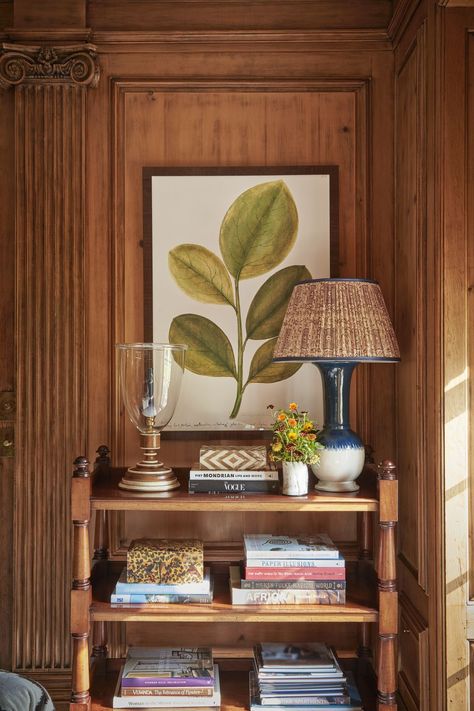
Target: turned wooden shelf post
<point>387,588</point>
<point>101,552</point>
<point>81,585</point>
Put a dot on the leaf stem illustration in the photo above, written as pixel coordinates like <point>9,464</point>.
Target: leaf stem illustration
<point>240,353</point>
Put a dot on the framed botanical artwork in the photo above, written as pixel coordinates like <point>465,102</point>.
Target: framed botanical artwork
<point>223,249</point>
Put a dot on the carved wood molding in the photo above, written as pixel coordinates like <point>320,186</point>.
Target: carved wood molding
<point>72,64</point>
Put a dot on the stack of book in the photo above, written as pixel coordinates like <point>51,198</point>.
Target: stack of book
<point>164,571</point>
<point>142,593</point>
<point>289,570</point>
<point>233,481</point>
<point>233,469</point>
<point>300,676</point>
<point>163,677</point>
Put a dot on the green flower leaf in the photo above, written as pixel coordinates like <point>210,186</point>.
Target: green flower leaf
<point>258,230</point>
<point>262,370</point>
<point>201,274</point>
<point>209,350</point>
<point>267,310</point>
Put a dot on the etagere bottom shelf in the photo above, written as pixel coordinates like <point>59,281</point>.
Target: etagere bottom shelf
<point>234,684</point>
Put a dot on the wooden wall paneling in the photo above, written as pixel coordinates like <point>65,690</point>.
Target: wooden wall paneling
<point>49,334</point>
<point>231,15</point>
<point>456,364</point>
<point>61,14</point>
<point>411,302</point>
<point>414,657</point>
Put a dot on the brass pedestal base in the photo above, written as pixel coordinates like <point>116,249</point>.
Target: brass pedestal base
<point>149,475</point>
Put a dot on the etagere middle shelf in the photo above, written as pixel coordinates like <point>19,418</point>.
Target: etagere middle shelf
<point>371,590</point>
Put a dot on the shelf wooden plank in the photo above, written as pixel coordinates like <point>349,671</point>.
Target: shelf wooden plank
<point>234,687</point>
<point>106,495</point>
<point>361,605</point>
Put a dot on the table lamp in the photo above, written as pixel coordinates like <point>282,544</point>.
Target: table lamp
<point>336,324</point>
<point>150,381</point>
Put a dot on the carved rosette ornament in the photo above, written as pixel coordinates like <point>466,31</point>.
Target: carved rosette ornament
<point>75,65</point>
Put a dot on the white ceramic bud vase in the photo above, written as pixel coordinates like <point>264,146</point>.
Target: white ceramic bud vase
<point>295,479</point>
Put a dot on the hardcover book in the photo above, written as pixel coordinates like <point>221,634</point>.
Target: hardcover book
<point>234,486</point>
<point>168,691</point>
<point>259,545</point>
<point>296,563</point>
<point>155,702</point>
<point>292,584</point>
<point>277,656</point>
<point>285,596</point>
<point>198,473</point>
<point>125,599</point>
<point>124,588</point>
<point>172,561</point>
<point>315,573</point>
<point>178,671</point>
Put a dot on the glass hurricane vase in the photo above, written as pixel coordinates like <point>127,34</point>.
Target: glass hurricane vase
<point>150,377</point>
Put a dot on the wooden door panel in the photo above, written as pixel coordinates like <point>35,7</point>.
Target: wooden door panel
<point>413,655</point>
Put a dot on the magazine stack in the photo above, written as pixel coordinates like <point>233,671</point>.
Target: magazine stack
<point>289,570</point>
<point>300,677</point>
<point>164,571</point>
<point>164,677</point>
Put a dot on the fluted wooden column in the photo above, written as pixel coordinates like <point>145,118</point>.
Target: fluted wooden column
<point>50,85</point>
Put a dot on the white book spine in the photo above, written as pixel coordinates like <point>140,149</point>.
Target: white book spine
<point>295,563</point>
<point>250,475</point>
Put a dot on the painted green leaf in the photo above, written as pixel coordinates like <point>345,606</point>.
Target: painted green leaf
<point>209,350</point>
<point>267,310</point>
<point>262,370</point>
<point>201,274</point>
<point>258,230</point>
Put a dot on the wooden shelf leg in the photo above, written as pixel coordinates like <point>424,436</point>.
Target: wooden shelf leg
<point>387,588</point>
<point>81,586</point>
<point>80,667</point>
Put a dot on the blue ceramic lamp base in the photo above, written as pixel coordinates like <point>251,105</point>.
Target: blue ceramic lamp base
<point>342,459</point>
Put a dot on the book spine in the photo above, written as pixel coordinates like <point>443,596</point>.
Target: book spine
<point>293,584</point>
<point>116,599</point>
<point>193,692</point>
<point>250,475</point>
<point>288,597</point>
<point>294,563</point>
<point>203,588</point>
<point>306,701</point>
<point>232,487</point>
<point>147,682</point>
<point>157,702</point>
<point>327,554</point>
<point>295,573</point>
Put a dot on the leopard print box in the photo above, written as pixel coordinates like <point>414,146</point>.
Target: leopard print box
<point>170,561</point>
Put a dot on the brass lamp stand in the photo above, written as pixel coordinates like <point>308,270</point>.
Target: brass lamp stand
<point>149,474</point>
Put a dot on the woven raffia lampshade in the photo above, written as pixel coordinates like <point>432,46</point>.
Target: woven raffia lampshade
<point>337,319</point>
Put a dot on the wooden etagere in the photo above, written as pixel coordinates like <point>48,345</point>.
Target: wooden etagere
<point>371,594</point>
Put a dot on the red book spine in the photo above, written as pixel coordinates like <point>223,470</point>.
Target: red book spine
<point>295,573</point>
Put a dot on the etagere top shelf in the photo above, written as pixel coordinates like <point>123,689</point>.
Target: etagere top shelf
<point>106,495</point>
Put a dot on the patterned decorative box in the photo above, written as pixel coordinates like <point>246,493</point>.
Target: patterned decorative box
<point>232,456</point>
<point>165,561</point>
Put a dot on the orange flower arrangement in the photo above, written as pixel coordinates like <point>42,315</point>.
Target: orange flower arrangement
<point>295,438</point>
